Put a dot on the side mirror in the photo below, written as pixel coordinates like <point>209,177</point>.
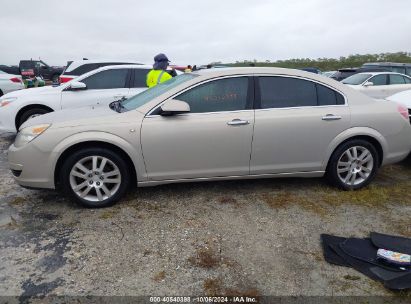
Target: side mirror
<point>173,107</point>
<point>368,84</point>
<point>77,85</point>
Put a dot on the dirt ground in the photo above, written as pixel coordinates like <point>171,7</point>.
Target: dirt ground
<point>257,237</point>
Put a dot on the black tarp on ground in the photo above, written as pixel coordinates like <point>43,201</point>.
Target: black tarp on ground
<point>361,254</point>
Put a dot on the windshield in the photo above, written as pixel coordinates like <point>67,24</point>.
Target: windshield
<point>148,95</point>
<point>356,79</point>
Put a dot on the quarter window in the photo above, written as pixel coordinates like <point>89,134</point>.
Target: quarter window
<point>327,97</point>
<point>284,92</point>
<point>229,94</point>
<point>109,79</point>
<point>396,79</point>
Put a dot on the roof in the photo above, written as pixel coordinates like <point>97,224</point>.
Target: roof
<point>395,64</point>
<point>379,73</point>
<point>248,70</point>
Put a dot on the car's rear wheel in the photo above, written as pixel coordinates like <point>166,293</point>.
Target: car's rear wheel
<point>29,114</point>
<point>95,177</point>
<point>353,165</point>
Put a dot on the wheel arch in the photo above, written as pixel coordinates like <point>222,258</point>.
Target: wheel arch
<point>368,134</point>
<point>94,144</point>
<point>29,107</point>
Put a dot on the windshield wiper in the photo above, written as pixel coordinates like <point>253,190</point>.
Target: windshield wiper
<point>117,105</point>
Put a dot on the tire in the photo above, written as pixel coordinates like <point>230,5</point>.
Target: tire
<point>30,114</point>
<point>98,188</point>
<point>354,173</point>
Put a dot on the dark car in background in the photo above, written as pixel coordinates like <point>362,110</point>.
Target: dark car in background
<point>402,68</point>
<point>40,68</point>
<point>31,68</point>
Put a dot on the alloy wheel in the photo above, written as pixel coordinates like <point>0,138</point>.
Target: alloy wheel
<point>95,178</point>
<point>355,165</point>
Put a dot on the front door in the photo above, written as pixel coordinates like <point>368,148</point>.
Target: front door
<point>102,88</point>
<point>296,122</point>
<point>213,140</point>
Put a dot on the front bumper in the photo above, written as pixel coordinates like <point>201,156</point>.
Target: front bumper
<point>31,167</point>
<point>7,117</point>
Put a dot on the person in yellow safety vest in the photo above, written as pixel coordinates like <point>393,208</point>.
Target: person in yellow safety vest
<point>158,74</point>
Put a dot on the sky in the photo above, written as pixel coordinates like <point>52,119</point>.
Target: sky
<point>201,31</point>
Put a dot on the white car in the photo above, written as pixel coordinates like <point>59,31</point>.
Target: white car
<point>10,83</point>
<point>101,86</point>
<point>403,98</point>
<point>379,84</point>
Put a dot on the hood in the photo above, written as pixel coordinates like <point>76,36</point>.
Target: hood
<point>72,117</point>
<point>33,91</point>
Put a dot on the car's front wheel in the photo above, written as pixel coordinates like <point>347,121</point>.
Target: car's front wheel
<point>29,114</point>
<point>353,165</point>
<point>95,177</point>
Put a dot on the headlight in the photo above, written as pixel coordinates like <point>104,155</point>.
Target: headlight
<point>6,100</point>
<point>29,133</point>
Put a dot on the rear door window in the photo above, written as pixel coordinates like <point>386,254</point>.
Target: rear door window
<point>109,79</point>
<point>285,92</point>
<point>396,79</point>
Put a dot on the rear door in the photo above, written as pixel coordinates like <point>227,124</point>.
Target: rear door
<point>295,122</point>
<point>102,88</point>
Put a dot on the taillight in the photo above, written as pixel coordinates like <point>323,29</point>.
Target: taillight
<point>15,79</point>
<point>403,111</point>
<point>65,79</point>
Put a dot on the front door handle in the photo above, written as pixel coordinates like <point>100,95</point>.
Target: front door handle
<point>329,117</point>
<point>238,122</point>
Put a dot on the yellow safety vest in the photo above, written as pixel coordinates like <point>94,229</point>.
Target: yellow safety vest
<point>154,77</point>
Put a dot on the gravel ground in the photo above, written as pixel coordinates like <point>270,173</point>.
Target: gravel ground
<point>257,237</point>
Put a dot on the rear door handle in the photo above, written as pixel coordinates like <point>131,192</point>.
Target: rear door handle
<point>238,122</point>
<point>329,117</point>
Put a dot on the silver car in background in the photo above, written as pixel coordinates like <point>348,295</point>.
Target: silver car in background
<point>215,124</point>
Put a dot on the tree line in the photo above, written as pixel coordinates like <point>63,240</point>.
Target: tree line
<point>328,64</point>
